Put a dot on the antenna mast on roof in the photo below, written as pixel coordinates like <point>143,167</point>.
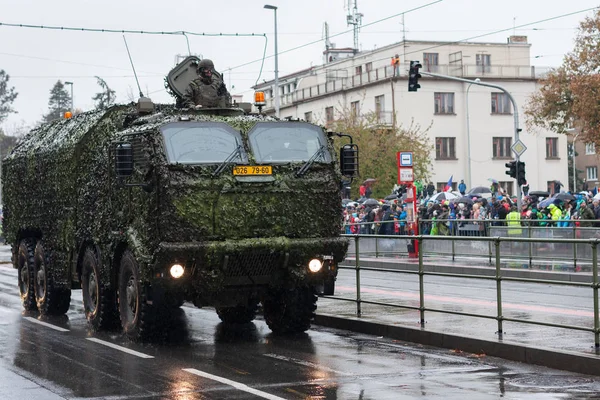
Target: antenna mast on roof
<point>354,18</point>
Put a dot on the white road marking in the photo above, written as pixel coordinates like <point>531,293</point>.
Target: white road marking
<point>47,325</point>
<point>237,385</point>
<point>120,348</point>
<point>306,364</point>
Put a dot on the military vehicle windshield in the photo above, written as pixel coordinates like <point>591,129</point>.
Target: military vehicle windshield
<point>273,142</point>
<point>202,143</point>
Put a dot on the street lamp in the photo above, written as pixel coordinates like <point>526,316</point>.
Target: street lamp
<point>469,136</point>
<point>71,83</point>
<point>573,156</point>
<point>270,7</point>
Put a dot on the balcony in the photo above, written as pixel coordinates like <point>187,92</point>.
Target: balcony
<point>469,71</point>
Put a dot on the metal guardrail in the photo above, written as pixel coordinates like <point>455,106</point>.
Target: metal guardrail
<point>458,243</point>
<point>496,244</point>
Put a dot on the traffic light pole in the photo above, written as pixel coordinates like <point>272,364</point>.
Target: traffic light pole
<point>515,113</point>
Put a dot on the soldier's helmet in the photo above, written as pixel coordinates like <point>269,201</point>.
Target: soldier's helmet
<point>206,64</point>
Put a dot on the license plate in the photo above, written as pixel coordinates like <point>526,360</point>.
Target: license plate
<point>253,170</point>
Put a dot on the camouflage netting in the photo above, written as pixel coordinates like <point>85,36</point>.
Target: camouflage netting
<point>59,185</point>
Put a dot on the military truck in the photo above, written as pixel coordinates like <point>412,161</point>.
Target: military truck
<point>145,207</point>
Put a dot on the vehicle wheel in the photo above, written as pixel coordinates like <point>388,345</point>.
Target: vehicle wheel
<point>241,314</point>
<point>51,300</point>
<point>137,316</point>
<point>99,298</point>
<point>290,311</point>
<point>24,264</point>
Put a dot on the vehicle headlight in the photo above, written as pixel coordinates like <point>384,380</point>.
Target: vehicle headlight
<point>315,265</point>
<point>176,271</point>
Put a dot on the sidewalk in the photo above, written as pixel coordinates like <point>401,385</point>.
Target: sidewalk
<point>552,347</point>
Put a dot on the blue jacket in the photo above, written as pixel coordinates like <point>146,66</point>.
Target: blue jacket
<point>462,188</point>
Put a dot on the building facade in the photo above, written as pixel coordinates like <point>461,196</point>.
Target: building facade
<point>472,127</point>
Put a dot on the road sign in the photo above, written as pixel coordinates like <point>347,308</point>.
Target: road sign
<point>518,148</point>
<point>406,159</point>
<point>406,175</point>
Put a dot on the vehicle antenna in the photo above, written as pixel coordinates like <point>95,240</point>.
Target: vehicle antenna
<point>144,105</point>
<point>133,67</point>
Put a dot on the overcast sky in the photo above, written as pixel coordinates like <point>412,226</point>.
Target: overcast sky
<point>36,58</point>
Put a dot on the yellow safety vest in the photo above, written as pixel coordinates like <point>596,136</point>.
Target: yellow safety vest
<point>514,219</point>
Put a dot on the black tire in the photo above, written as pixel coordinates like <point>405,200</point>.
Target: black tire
<point>138,318</point>
<point>99,297</point>
<point>26,276</point>
<point>290,311</point>
<point>241,314</point>
<point>51,299</point>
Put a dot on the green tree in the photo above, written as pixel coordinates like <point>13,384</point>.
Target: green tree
<point>7,96</point>
<point>378,144</point>
<point>59,102</point>
<point>568,96</point>
<point>106,97</point>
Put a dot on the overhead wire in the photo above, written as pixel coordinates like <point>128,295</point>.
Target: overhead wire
<point>340,33</point>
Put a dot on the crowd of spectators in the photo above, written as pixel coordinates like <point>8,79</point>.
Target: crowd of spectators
<point>445,217</point>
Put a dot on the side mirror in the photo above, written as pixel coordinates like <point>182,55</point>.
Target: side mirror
<point>349,160</point>
<point>124,160</point>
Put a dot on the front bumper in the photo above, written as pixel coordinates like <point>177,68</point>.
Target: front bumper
<point>211,266</point>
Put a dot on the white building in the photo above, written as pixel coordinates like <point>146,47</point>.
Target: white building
<point>484,124</point>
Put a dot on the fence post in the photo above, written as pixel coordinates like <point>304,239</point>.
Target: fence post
<point>357,257</point>
<point>498,287</point>
<point>574,248</point>
<point>377,245</point>
<point>530,244</point>
<point>490,247</point>
<point>595,288</point>
<point>453,250</point>
<point>421,283</point>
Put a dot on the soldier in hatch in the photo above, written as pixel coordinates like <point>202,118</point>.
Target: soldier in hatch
<point>206,91</point>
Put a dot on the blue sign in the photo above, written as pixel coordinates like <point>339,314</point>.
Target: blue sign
<point>406,159</point>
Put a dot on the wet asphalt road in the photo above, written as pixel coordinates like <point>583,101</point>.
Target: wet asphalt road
<point>200,358</point>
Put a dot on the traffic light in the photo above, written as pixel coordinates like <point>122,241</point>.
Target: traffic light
<point>512,169</point>
<point>521,173</point>
<point>413,76</point>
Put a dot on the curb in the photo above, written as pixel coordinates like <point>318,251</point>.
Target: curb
<point>562,360</point>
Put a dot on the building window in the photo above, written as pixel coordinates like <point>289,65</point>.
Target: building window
<point>328,115</point>
<point>440,186</point>
<point>380,107</point>
<point>358,70</point>
<point>369,67</point>
<point>507,186</point>
<point>500,103</point>
<point>445,148</point>
<point>308,116</point>
<point>430,61</point>
<point>590,148</point>
<point>591,173</point>
<point>355,109</point>
<point>551,147</point>
<point>484,62</point>
<point>444,103</point>
<point>501,147</point>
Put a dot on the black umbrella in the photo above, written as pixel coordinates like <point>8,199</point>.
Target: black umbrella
<point>480,189</point>
<point>465,200</point>
<point>346,201</point>
<point>371,202</point>
<point>564,197</point>
<point>539,193</point>
<point>391,197</point>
